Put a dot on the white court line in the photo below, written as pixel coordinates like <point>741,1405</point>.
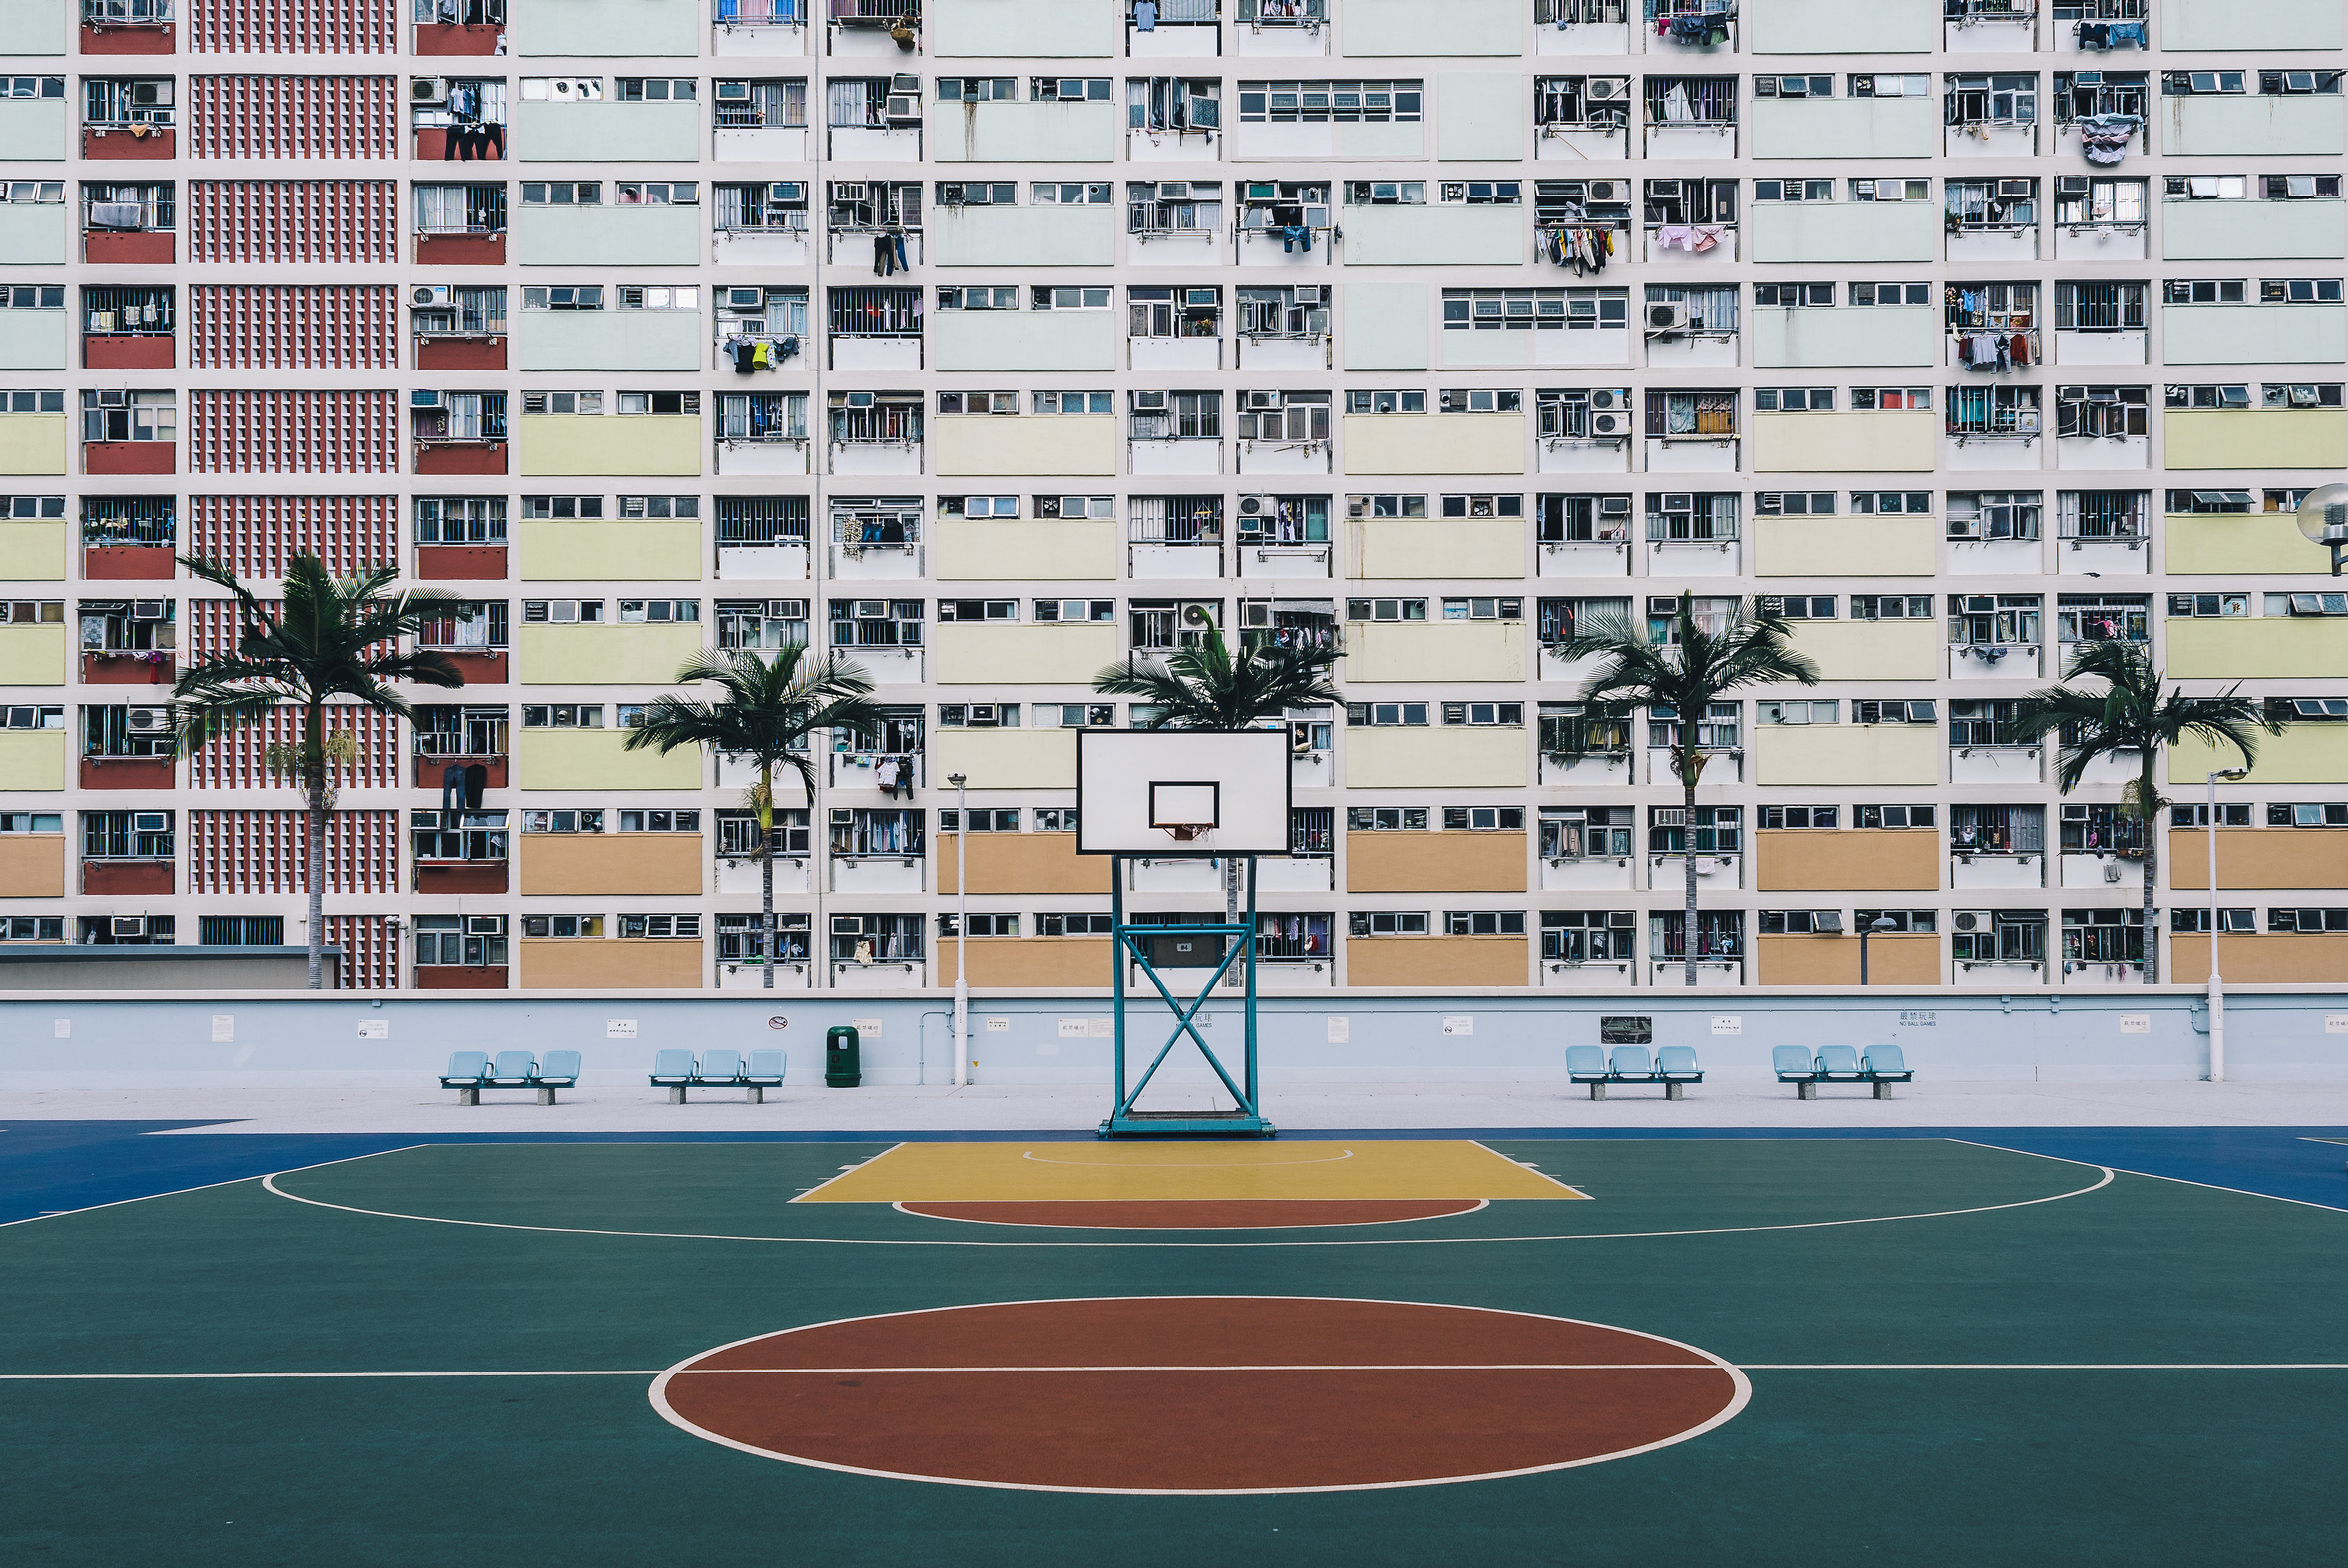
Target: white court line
<point>270,1182</point>
<point>850,1171</point>
<point>738,1371</point>
<point>1189,1165</point>
<point>1318,1225</point>
<point>2329,1208</point>
<point>233,1181</point>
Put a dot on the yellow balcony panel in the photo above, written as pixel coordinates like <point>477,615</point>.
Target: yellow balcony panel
<point>1910,961</point>
<point>32,443</point>
<point>1435,757</point>
<point>611,863</point>
<point>608,551</point>
<point>1862,441</point>
<point>2239,542</point>
<point>1848,860</point>
<point>1435,650</point>
<point>1021,655</point>
<point>2275,957</point>
<point>1855,754</point>
<point>2260,858</point>
<point>2273,648</point>
<point>2276,24</point>
<point>2256,438</point>
<point>585,759</point>
<point>1043,549</point>
<point>989,340</point>
<point>1006,758</point>
<point>625,655</point>
<point>1853,546</point>
<point>1434,443</point>
<point>32,759</point>
<point>558,446</point>
<point>1872,649</point>
<point>32,552</point>
<point>631,963</point>
<point>1436,547</point>
<point>2315,753</point>
<point>994,445</point>
<point>1435,862</point>
<point>1445,963</point>
<point>32,655</point>
<point>1023,863</point>
<point>32,866</point>
<point>1030,962</point>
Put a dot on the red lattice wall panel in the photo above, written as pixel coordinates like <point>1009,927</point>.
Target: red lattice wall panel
<point>317,119</point>
<point>258,535</point>
<point>291,223</point>
<point>301,326</point>
<point>212,630</point>
<point>235,432</point>
<point>290,27</point>
<point>370,951</point>
<point>244,852</point>
<point>237,760</point>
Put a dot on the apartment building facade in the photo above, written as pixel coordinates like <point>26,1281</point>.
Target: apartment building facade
<point>992,342</point>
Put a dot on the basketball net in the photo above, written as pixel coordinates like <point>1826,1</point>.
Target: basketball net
<point>1184,832</point>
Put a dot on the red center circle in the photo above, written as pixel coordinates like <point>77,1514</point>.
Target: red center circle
<point>1201,1393</point>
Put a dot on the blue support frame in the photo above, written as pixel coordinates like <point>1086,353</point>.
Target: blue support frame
<point>1133,941</point>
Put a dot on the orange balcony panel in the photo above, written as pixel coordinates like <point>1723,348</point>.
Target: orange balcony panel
<point>479,668</point>
<point>461,562</point>
<point>460,250</point>
<point>125,876</point>
<point>459,353</point>
<point>108,248</point>
<point>112,352</point>
<point>469,457</point>
<point>99,40</point>
<point>126,773</point>
<point>125,669</point>
<point>460,977</point>
<point>457,38</point>
<point>119,141</point>
<point>464,875</point>
<point>429,770</point>
<point>432,147</point>
<point>132,457</point>
<point>112,563</point>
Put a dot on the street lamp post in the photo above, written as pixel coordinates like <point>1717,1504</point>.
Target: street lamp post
<point>962,928</point>
<point>1879,923</point>
<point>2216,983</point>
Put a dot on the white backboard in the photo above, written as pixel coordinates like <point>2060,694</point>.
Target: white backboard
<point>1143,792</point>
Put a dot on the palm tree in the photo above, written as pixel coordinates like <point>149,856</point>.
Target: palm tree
<point>771,708</point>
<point>1704,660</point>
<point>1201,686</point>
<point>2131,716</point>
<point>331,637</point>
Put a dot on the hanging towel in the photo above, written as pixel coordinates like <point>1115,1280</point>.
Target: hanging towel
<point>1704,238</point>
<point>1145,16</point>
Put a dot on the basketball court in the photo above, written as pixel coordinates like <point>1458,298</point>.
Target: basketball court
<point>1329,1348</point>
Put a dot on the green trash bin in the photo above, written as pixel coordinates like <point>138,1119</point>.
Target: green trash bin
<point>843,1059</point>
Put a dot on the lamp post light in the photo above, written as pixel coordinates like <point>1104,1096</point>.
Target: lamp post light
<point>391,927</point>
<point>1879,923</point>
<point>962,928</point>
<point>2216,983</point>
<point>2322,515</point>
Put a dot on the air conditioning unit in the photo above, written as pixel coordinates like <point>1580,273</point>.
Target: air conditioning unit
<point>563,612</point>
<point>860,400</point>
<point>1676,501</point>
<point>1603,90</point>
<point>1972,919</point>
<point>733,92</point>
<point>421,398</point>
<point>1964,528</point>
<point>745,299</point>
<point>1196,616</point>
<point>2014,188</point>
<point>905,82</point>
<point>1611,425</point>
<point>1608,190</point>
<point>430,295</point>
<point>127,925</point>
<point>2071,184</point>
<point>1667,319</point>
<point>902,108</point>
<point>1829,923</point>
<point>147,610</point>
<point>2026,422</point>
<point>979,714</point>
<point>1609,397</point>
<point>851,190</point>
<point>1312,294</point>
<point>428,92</point>
<point>484,925</point>
<point>1255,506</point>
<point>1663,189</point>
<point>787,190</point>
<point>580,88</point>
<point>1614,506</point>
<point>151,822</point>
<point>871,609</point>
<point>1357,506</point>
<point>152,95</point>
<point>1771,500</point>
<point>950,193</point>
<point>786,610</point>
<point>149,721</point>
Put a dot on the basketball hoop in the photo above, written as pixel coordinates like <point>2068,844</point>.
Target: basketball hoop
<point>1184,832</point>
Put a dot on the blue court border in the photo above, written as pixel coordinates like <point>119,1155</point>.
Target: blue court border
<point>52,1167</point>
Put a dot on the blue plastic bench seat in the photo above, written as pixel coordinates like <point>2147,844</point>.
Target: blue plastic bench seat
<point>764,1072</point>
<point>513,1070</point>
<point>1884,1066</point>
<point>1880,1067</point>
<point>678,1072</point>
<point>1674,1067</point>
<point>464,1072</point>
<point>471,1072</point>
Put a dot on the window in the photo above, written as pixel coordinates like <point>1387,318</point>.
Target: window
<point>561,402</point>
<point>2187,84</point>
<point>2308,920</point>
<point>1717,731</point>
<point>1794,190</point>
<point>2305,605</point>
<point>2197,919</point>
<point>1157,207</point>
<point>34,87</point>
<point>2084,94</point>
<point>1385,716</point>
<point>1816,817</point>
<point>463,520</point>
<point>876,939</point>
<point>1582,102</point>
<point>36,192</point>
<point>1691,416</point>
<point>660,822</point>
<point>1060,819</point>
<point>1993,412</point>
<point>2299,291</point>
<point>563,926</point>
<point>751,105</point>
<point>1891,606</point>
<point>2295,187</point>
<point>1480,506</point>
<point>1682,202</point>
<point>1579,935</point>
<point>1074,611</point>
<point>36,928</point>
<point>552,298</point>
<point>1485,715</point>
<point>1569,730</point>
<point>474,626</point>
<point>1690,518</point>
<point>1483,922</point>
<point>657,610</point>
<point>1995,513</point>
<point>661,402</point>
<point>469,939</point>
<point>659,925</point>
<point>2187,607</point>
<point>128,416</point>
<point>1701,310</point>
<point>1561,520</point>
<point>1985,723</point>
<point>1175,416</point>
<point>2005,205</point>
<point>2279,814</point>
<point>1322,102</point>
<point>1886,711</point>
<point>1586,832</point>
<point>2103,937</point>
<point>1386,609</point>
<point>861,205</point>
<point>2117,514</point>
<point>1071,299</point>
<point>107,520</point>
<point>1068,89</point>
<point>648,299</point>
<point>1176,104</point>
<point>1387,923</point>
<point>1796,297</point>
<point>2084,201</point>
<point>1891,190</point>
<point>2002,619</point>
<point>2205,291</point>
<point>562,715</point>
<point>1690,100</point>
<point>1976,98</point>
<point>126,835</point>
<point>1072,192</point>
<point>1798,712</point>
<point>1484,192</point>
<point>1720,935</point>
<point>1793,400</point>
<point>977,401</point>
<point>1286,416</point>
<point>737,833</point>
<point>1897,817</point>
<point>1800,923</point>
<point>1799,607</point>
<point>2299,394</point>
<point>1521,310</point>
<point>1075,402</point>
<point>657,193</point>
<point>2000,937</point>
<point>742,937</point>
<point>562,193</point>
<point>1169,312</point>
<point>1386,819</point>
<point>25,509</point>
<point>34,717</point>
<point>1820,85</point>
<point>1059,925</point>
<point>1385,192</point>
<point>966,611</point>
<point>1888,398</point>
<point>1274,204</point>
<point>1892,502</point>
<point>458,835</point>
<point>2100,411</point>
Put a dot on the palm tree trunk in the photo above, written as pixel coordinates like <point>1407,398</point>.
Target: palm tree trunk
<point>2148,817</point>
<point>1687,780</point>
<point>313,767</point>
<point>766,867</point>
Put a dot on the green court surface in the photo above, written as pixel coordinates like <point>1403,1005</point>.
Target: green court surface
<point>1956,1354</point>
